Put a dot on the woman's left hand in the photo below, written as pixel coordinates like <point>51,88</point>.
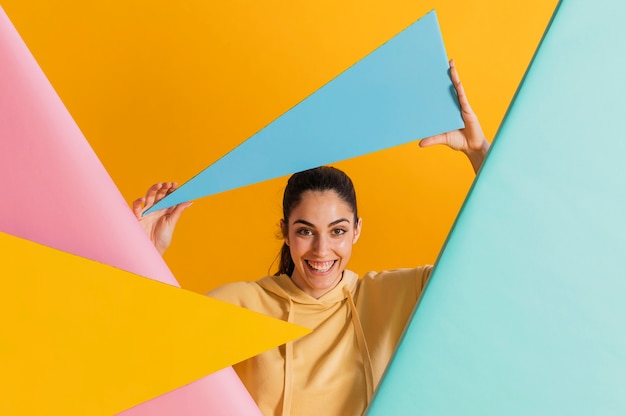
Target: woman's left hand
<point>470,139</point>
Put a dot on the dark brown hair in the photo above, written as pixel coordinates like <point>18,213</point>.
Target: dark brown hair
<point>323,178</point>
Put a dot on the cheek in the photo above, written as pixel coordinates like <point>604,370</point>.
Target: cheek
<point>344,247</point>
<point>298,246</point>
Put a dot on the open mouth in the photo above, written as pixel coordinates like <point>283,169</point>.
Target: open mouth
<point>321,266</point>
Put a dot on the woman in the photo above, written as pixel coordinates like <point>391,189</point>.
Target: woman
<point>356,322</point>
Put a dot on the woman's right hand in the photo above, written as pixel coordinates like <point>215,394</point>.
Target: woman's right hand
<point>159,225</point>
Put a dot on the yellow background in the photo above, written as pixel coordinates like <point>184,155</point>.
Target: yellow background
<point>162,89</point>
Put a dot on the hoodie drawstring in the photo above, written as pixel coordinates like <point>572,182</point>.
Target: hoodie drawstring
<point>360,336</point>
<point>288,390</point>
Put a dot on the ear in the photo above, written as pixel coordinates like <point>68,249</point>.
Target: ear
<point>357,230</point>
<point>284,231</point>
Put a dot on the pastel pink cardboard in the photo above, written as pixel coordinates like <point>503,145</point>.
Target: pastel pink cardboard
<point>57,193</point>
<point>195,399</point>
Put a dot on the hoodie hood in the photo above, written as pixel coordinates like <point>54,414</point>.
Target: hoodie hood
<point>285,288</point>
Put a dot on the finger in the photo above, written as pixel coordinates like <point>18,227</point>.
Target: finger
<point>163,191</point>
<point>460,91</point>
<point>172,187</point>
<point>177,212</point>
<point>433,140</point>
<point>151,195</point>
<point>138,205</point>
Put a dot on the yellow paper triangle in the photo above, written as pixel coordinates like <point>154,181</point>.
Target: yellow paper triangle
<point>79,337</point>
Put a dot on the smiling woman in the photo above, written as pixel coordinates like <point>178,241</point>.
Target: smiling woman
<point>320,224</point>
<point>356,323</point>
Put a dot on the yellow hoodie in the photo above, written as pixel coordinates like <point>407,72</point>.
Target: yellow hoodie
<point>335,369</point>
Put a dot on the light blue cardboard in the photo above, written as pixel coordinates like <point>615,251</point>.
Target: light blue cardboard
<point>399,93</point>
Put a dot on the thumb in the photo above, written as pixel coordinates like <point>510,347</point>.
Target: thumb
<point>433,140</point>
<point>178,211</point>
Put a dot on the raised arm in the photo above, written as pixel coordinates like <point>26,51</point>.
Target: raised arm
<point>159,225</point>
<point>469,140</point>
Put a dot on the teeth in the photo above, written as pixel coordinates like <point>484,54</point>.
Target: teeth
<point>321,266</point>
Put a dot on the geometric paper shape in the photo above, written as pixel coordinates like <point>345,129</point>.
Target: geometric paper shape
<point>55,190</point>
<point>201,398</point>
<point>398,93</point>
<point>258,64</point>
<point>84,338</point>
<point>524,313</point>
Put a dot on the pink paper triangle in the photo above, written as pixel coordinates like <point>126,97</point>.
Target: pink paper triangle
<point>57,193</point>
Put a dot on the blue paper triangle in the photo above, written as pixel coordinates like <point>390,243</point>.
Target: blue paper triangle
<point>524,314</point>
<point>399,93</point>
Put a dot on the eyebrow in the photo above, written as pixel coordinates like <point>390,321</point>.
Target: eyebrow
<point>308,224</point>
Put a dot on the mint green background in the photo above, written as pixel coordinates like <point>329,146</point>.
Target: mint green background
<point>526,311</point>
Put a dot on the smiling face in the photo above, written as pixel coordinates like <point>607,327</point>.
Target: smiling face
<point>320,233</point>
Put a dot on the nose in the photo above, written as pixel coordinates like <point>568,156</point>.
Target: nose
<point>321,245</point>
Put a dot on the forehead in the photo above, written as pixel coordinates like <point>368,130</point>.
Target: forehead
<point>324,206</point>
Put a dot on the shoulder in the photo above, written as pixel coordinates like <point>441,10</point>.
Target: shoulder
<point>409,282</point>
<point>237,293</point>
<point>418,275</point>
<point>386,299</point>
<point>264,296</point>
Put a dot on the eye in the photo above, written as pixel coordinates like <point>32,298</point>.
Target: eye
<point>339,231</point>
<point>304,231</point>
